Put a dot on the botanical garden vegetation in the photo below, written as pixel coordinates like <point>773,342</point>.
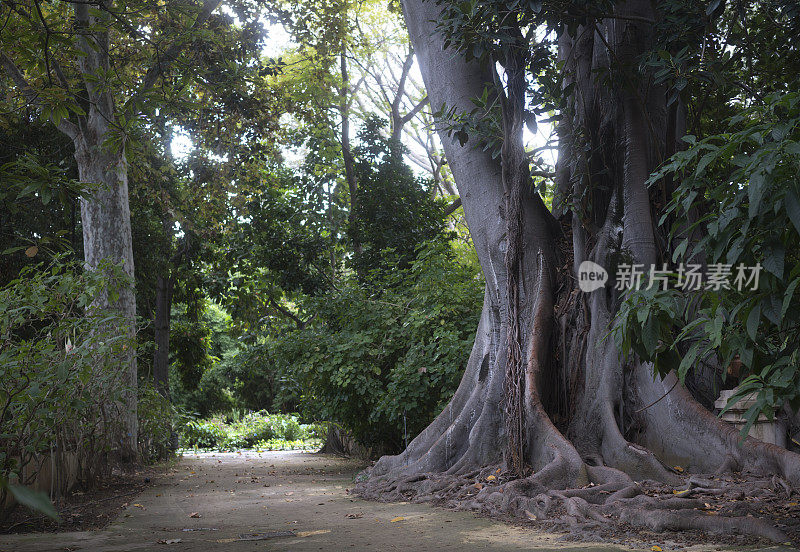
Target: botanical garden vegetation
<point>343,214</point>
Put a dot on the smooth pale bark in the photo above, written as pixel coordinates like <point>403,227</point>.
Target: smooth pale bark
<point>105,213</point>
<point>105,218</point>
<point>470,429</point>
<point>99,152</point>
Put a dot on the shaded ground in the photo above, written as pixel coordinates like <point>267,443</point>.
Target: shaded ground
<point>290,501</point>
<point>84,511</point>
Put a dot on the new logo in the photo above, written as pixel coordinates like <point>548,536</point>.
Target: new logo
<point>591,276</point>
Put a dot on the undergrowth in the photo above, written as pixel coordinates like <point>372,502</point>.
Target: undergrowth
<point>254,430</point>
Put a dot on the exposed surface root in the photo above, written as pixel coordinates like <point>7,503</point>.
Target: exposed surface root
<point>611,504</point>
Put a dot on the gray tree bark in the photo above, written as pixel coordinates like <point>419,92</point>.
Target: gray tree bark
<point>541,351</point>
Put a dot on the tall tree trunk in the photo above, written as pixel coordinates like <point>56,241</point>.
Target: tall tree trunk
<point>164,285</point>
<point>105,214</point>
<point>347,152</point>
<point>542,355</point>
<point>105,217</point>
<point>98,136</point>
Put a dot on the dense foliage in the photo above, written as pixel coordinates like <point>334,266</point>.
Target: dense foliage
<point>384,360</point>
<point>741,186</point>
<point>301,242</point>
<point>58,385</point>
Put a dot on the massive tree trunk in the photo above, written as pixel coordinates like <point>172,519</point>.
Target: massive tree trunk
<point>546,401</point>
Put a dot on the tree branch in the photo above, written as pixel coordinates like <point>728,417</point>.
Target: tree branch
<point>169,57</point>
<point>66,126</point>
<point>43,27</point>
<point>90,63</point>
<point>413,113</point>
<point>401,84</point>
<point>452,207</point>
<point>301,324</point>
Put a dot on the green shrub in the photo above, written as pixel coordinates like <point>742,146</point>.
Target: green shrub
<point>383,361</point>
<point>283,444</point>
<point>263,426</point>
<point>248,431</point>
<point>741,187</point>
<point>202,434</point>
<point>60,382</point>
<point>155,424</point>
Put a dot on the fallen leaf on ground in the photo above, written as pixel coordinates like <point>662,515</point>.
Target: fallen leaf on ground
<point>491,478</point>
<point>398,518</point>
<point>194,515</point>
<point>656,548</point>
<point>309,533</point>
<point>531,516</point>
<point>678,469</point>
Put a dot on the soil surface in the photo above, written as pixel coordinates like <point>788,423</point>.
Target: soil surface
<point>290,501</point>
<point>84,511</point>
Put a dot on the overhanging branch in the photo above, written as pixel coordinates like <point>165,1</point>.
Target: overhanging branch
<point>67,127</point>
<point>452,207</point>
<point>164,62</point>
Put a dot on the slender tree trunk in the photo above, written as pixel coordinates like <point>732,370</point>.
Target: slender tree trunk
<point>105,214</point>
<point>105,217</point>
<point>98,136</point>
<point>164,286</point>
<point>347,152</point>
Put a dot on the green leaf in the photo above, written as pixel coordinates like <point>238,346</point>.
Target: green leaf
<point>754,193</point>
<point>680,250</point>
<point>752,321</point>
<point>688,360</point>
<point>713,5</point>
<point>650,335</point>
<point>774,259</point>
<point>704,162</point>
<point>787,298</point>
<point>792,203</point>
<point>35,500</point>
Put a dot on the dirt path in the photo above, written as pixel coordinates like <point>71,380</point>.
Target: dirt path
<point>288,501</point>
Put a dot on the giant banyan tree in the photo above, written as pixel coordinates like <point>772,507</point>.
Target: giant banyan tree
<point>569,427</point>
